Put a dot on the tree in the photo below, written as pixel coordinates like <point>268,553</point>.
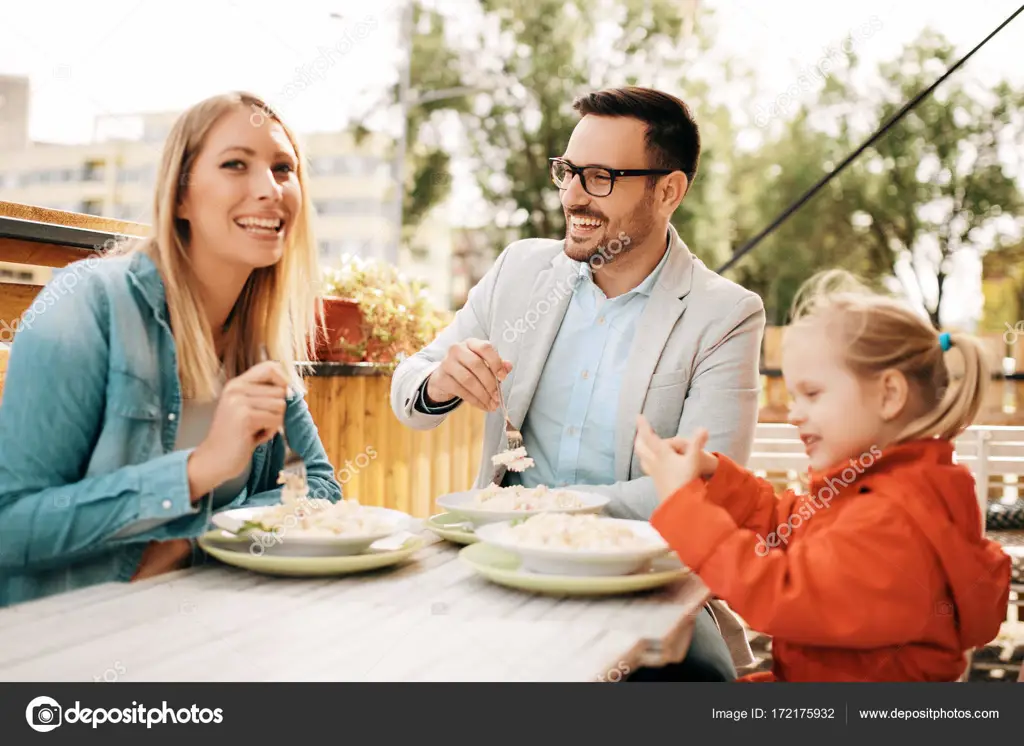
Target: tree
<point>937,184</point>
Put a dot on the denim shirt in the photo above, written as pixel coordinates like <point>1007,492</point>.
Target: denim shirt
<point>88,422</point>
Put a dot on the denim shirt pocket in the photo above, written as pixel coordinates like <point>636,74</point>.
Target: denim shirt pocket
<point>135,406</point>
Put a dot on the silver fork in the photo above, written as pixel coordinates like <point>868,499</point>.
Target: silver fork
<point>515,438</point>
<point>293,463</point>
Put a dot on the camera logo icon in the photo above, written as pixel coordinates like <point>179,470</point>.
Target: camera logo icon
<point>43,714</point>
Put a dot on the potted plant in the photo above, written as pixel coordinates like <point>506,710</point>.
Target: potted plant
<point>374,314</point>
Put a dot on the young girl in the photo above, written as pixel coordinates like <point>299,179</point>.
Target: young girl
<point>152,390</point>
<point>881,571</point>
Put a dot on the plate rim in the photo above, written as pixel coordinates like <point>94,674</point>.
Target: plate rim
<point>411,545</point>
<point>583,584</point>
<point>461,536</point>
<point>592,556</point>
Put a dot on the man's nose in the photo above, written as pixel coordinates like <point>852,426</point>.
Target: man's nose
<point>575,195</point>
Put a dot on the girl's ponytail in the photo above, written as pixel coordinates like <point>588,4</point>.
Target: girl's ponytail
<point>960,400</point>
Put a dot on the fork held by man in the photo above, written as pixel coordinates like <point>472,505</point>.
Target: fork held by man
<point>472,370</point>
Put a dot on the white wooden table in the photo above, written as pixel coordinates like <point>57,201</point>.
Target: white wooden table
<point>431,619</point>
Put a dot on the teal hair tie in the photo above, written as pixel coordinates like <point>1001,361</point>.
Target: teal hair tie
<point>944,341</point>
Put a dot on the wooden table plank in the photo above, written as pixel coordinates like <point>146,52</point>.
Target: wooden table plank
<point>431,618</point>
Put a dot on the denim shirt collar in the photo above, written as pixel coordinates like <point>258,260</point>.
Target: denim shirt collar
<point>146,277</point>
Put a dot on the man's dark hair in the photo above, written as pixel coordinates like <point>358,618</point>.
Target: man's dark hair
<point>673,138</point>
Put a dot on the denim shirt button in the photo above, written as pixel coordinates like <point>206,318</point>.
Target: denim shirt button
<point>166,505</point>
<point>171,417</point>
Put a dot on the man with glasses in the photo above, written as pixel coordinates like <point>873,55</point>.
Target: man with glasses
<point>582,334</point>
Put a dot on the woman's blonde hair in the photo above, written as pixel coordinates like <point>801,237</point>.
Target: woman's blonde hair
<point>879,333</point>
<point>279,308</point>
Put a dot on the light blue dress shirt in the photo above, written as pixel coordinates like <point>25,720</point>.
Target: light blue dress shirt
<point>569,430</point>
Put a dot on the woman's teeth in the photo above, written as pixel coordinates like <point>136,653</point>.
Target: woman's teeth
<point>261,226</point>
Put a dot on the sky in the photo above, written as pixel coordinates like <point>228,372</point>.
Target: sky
<point>86,60</point>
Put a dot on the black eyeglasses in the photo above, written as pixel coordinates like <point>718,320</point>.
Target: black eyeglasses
<point>597,181</point>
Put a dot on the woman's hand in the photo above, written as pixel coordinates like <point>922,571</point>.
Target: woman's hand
<point>673,462</point>
<point>250,412</point>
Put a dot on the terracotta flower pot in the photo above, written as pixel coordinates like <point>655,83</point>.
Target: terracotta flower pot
<point>343,322</point>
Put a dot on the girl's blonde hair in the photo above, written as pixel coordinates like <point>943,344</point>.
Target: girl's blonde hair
<point>279,307</point>
<point>879,333</point>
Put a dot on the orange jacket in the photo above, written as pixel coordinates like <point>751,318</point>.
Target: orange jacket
<point>880,573</point>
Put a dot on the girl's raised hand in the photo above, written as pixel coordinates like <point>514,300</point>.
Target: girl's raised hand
<point>674,462</point>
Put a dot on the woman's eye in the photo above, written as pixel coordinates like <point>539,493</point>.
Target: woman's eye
<point>284,168</point>
<point>232,164</point>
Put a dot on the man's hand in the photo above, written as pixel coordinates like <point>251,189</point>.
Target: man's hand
<point>673,462</point>
<point>471,371</point>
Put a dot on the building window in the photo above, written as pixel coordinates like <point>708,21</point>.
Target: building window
<point>93,171</point>
<point>362,207</point>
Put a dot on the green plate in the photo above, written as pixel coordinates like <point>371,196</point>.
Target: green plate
<point>502,567</point>
<point>438,524</point>
<point>216,544</point>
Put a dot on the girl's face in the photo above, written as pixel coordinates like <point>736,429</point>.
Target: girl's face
<point>839,416</point>
<point>243,195</point>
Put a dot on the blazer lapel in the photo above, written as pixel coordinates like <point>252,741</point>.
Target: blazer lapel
<point>664,308</point>
<point>549,301</point>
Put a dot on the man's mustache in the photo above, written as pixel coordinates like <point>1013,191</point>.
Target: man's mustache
<point>582,214</point>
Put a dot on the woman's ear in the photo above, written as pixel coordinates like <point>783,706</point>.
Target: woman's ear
<point>895,392</point>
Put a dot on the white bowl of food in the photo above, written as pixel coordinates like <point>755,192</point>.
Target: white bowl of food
<point>313,527</point>
<point>578,544</point>
<point>494,504</point>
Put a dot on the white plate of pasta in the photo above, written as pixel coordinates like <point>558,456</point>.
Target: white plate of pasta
<point>314,527</point>
<point>578,544</point>
<point>494,504</point>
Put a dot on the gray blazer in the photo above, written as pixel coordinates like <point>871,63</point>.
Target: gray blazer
<point>694,361</point>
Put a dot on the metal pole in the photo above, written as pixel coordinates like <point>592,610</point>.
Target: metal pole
<point>398,167</point>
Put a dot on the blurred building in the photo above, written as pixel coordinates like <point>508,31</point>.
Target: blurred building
<point>114,176</point>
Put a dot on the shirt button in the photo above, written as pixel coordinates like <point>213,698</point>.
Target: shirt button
<point>166,505</point>
<point>600,320</point>
<point>171,417</point>
<point>572,431</point>
<point>586,375</point>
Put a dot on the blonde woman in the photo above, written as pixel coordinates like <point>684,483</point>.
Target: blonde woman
<point>153,393</point>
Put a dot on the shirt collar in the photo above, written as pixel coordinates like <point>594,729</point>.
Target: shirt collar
<point>646,287</point>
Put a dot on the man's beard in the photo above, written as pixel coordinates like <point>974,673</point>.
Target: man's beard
<point>617,238</point>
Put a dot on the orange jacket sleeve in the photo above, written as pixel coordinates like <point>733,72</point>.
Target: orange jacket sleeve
<point>750,501</point>
<point>863,583</point>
